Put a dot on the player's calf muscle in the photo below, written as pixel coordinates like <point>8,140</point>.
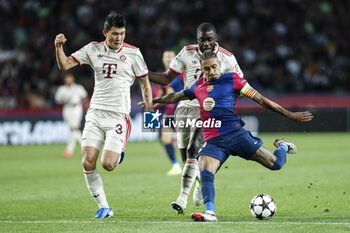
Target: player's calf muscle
<point>264,157</point>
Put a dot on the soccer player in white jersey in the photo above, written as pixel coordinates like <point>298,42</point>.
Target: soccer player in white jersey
<point>70,95</point>
<point>116,64</point>
<point>189,139</point>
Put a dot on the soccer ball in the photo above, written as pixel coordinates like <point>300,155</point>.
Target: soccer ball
<point>262,206</point>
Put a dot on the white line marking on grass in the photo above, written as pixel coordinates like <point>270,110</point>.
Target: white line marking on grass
<point>178,222</point>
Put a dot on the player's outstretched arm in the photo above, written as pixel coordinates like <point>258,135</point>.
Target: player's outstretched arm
<point>171,98</point>
<point>63,62</point>
<point>162,78</point>
<point>146,93</point>
<point>295,116</point>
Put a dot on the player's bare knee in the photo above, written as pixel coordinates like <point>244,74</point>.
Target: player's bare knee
<point>88,165</point>
<point>108,165</point>
<point>208,163</point>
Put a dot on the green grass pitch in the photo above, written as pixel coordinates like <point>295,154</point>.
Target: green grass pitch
<point>41,191</point>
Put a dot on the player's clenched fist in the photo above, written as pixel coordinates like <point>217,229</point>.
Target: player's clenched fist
<point>60,40</point>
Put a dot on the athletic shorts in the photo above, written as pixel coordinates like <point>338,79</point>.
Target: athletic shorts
<point>186,135</point>
<point>238,143</point>
<point>111,128</point>
<point>72,116</point>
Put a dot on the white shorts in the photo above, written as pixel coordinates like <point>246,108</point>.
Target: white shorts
<point>187,135</point>
<point>72,116</point>
<point>111,128</point>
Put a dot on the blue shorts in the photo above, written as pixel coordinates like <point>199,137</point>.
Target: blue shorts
<point>238,143</point>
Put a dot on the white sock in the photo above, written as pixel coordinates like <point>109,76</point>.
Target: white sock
<point>210,212</point>
<point>77,135</point>
<point>71,143</point>
<point>189,174</point>
<point>198,177</point>
<point>95,186</point>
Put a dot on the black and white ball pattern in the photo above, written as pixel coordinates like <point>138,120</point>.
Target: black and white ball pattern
<point>262,206</point>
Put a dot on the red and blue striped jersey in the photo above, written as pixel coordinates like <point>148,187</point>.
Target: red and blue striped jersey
<point>218,103</point>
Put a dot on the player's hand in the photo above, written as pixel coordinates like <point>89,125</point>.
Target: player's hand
<point>142,104</point>
<point>60,40</point>
<point>301,116</point>
<point>150,109</point>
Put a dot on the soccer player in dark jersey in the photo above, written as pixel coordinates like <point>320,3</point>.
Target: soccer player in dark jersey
<point>223,133</point>
<point>189,138</point>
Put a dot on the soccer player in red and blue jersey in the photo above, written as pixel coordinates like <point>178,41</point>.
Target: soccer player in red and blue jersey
<point>223,132</point>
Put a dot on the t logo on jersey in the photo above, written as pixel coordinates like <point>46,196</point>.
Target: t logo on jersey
<point>151,120</point>
<point>109,68</point>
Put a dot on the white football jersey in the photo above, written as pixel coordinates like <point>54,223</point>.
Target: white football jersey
<point>115,71</point>
<point>188,60</point>
<point>70,95</point>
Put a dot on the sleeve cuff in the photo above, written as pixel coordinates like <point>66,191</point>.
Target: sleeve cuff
<point>76,60</point>
<point>188,93</point>
<point>142,75</point>
<point>175,71</point>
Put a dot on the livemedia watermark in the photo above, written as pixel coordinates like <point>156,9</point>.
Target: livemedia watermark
<point>156,121</point>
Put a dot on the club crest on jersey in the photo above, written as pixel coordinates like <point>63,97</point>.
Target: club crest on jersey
<point>208,104</point>
<point>194,62</point>
<point>100,55</point>
<point>210,88</point>
<point>122,58</point>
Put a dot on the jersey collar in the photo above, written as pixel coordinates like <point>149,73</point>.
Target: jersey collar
<point>109,49</point>
<point>216,49</point>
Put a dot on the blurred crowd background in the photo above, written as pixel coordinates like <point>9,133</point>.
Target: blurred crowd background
<point>289,47</point>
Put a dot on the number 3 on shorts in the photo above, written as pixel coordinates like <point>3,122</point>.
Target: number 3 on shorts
<point>119,129</point>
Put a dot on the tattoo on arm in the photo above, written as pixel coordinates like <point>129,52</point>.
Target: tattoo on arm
<point>258,98</point>
<point>171,98</point>
<point>269,104</point>
<point>146,91</point>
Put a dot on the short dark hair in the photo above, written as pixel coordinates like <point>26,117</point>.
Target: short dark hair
<point>114,19</point>
<point>206,27</point>
<point>207,55</point>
